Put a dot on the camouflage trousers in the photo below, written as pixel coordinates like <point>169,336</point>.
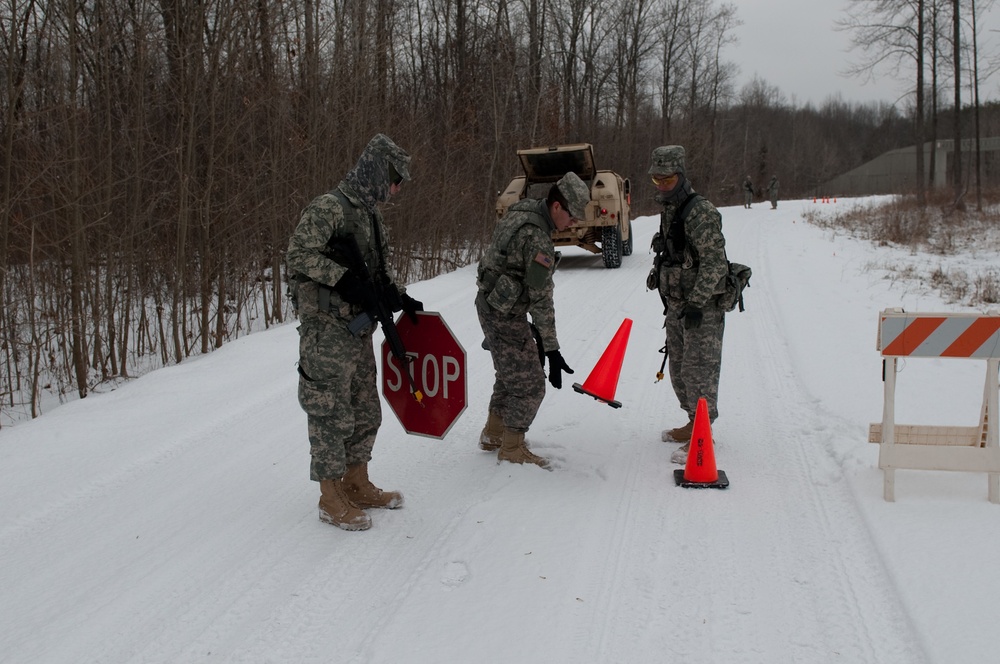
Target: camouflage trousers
<point>338,391</point>
<point>519,384</point>
<point>695,358</point>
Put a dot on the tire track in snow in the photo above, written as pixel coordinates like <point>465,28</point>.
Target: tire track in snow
<point>709,590</point>
<point>864,633</point>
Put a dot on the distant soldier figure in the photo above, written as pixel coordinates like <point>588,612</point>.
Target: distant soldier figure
<point>337,380</point>
<point>772,191</point>
<point>514,280</point>
<point>689,271</point>
<point>747,192</point>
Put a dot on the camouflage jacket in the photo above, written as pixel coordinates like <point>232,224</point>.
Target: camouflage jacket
<point>702,274</point>
<point>307,259</point>
<point>515,273</point>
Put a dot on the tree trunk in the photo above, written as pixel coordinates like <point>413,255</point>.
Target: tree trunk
<point>957,128</point>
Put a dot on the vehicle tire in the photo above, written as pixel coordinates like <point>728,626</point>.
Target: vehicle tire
<point>611,247</point>
<point>627,245</point>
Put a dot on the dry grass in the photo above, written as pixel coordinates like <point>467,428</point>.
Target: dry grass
<point>940,229</point>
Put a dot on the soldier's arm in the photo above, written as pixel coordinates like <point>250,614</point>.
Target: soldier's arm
<point>704,232</point>
<point>538,257</point>
<point>320,221</point>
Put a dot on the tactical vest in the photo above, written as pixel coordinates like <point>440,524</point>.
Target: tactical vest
<point>674,259</point>
<point>674,251</point>
<point>501,281</point>
<point>306,294</point>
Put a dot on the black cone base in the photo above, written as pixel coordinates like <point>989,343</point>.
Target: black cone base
<point>579,388</point>
<point>721,483</point>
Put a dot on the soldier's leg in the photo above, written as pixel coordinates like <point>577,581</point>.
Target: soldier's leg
<point>327,356</point>
<point>365,406</point>
<point>522,375</point>
<point>519,385</point>
<point>703,361</point>
<point>367,411</point>
<point>327,362</point>
<point>498,398</point>
<point>676,360</point>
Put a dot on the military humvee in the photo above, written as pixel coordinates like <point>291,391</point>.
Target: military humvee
<point>607,230</point>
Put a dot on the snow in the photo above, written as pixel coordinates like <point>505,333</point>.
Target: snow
<point>173,519</point>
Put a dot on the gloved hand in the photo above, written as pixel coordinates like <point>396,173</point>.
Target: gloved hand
<point>557,365</point>
<point>692,316</point>
<point>538,344</point>
<point>411,307</point>
<point>355,290</point>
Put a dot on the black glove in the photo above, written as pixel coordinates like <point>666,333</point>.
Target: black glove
<point>355,290</point>
<point>556,365</point>
<point>538,344</point>
<point>692,316</point>
<point>411,307</point>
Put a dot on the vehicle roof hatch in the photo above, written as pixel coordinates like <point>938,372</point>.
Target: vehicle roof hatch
<point>548,164</point>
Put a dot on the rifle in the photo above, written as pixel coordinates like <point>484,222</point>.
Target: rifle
<point>666,352</point>
<point>345,250</point>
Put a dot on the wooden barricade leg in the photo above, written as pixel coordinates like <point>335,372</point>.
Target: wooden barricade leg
<point>990,429</point>
<point>888,430</point>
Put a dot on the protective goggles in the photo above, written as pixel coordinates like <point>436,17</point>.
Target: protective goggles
<point>665,180</point>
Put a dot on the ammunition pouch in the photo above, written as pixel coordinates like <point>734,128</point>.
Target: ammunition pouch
<point>292,284</point>
<point>505,294</point>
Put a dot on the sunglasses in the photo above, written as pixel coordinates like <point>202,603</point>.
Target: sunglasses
<point>668,180</point>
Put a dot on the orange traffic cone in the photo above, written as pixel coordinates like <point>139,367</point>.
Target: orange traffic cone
<point>603,380</point>
<point>700,471</point>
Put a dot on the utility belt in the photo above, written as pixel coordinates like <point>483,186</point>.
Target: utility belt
<point>309,297</point>
<point>297,287</point>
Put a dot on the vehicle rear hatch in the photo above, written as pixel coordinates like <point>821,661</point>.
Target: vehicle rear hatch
<point>550,164</point>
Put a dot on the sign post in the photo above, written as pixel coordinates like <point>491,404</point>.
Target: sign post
<point>437,365</point>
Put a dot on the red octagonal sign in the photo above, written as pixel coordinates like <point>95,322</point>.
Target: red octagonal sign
<point>437,365</point>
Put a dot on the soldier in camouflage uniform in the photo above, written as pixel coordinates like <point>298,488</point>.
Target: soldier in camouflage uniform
<point>747,192</point>
<point>690,271</point>
<point>337,380</point>
<point>772,191</point>
<point>515,279</point>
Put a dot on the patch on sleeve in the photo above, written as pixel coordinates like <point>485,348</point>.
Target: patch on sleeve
<point>542,259</point>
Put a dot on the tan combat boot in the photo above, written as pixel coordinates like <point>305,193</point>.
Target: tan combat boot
<point>492,435</point>
<point>512,449</point>
<point>364,494</point>
<point>678,435</point>
<point>337,509</point>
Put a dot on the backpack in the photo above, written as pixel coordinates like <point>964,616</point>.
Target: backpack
<point>737,277</point>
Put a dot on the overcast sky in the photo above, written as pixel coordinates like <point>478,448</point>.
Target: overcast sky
<point>794,46</point>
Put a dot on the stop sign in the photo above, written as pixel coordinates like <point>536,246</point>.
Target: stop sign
<point>437,366</point>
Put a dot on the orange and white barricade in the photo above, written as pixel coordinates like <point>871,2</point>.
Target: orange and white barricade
<point>918,447</point>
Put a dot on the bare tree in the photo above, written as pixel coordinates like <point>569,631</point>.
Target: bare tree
<point>890,36</point>
<point>150,181</point>
<point>957,127</point>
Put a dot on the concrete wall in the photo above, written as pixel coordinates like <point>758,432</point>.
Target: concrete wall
<point>895,171</point>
